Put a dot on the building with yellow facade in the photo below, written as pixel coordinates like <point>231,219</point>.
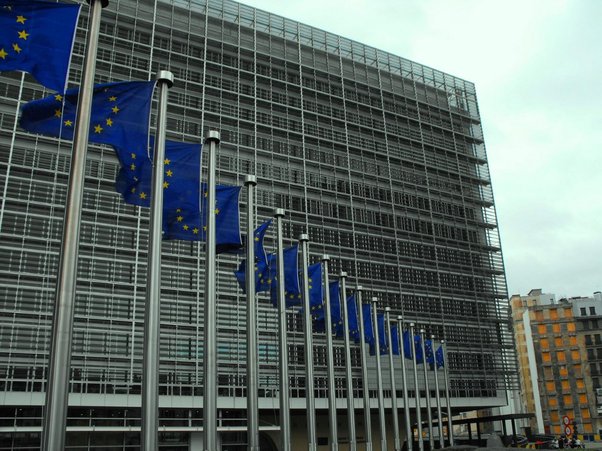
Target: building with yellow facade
<point>553,362</point>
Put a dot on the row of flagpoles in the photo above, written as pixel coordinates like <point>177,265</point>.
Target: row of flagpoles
<point>181,207</point>
<point>387,340</point>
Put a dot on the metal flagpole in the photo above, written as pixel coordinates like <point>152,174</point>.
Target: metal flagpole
<point>332,399</point>
<point>438,398</point>
<point>285,419</point>
<point>59,367</point>
<point>210,351</point>
<point>365,383</point>
<point>416,391</point>
<point>349,381</point>
<point>252,369</point>
<point>429,414</point>
<point>450,429</point>
<point>406,404</point>
<point>379,381</point>
<point>309,356</point>
<point>397,442</point>
<point>152,313</point>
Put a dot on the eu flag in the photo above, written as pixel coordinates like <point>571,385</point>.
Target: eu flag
<point>316,298</point>
<point>262,270</point>
<point>382,337</point>
<point>354,330</point>
<point>335,311</point>
<point>418,349</point>
<point>408,349</point>
<point>119,116</point>
<point>368,329</point>
<point>189,224</point>
<point>395,339</point>
<point>428,351</point>
<point>292,290</point>
<point>37,37</point>
<point>181,177</point>
<point>439,357</point>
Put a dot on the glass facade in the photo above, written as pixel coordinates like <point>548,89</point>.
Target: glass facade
<point>380,159</point>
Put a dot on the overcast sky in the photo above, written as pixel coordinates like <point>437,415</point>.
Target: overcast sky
<point>537,66</point>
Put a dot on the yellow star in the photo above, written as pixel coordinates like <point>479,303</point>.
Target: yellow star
<point>178,210</point>
<point>165,185</point>
<point>205,228</point>
<point>166,161</point>
<point>180,218</point>
<point>58,98</point>
<point>23,35</point>
<point>112,99</point>
<point>133,155</point>
<point>256,238</point>
<point>185,227</point>
<point>98,129</point>
<point>217,211</point>
<point>68,123</point>
<point>195,230</point>
<point>3,54</point>
<point>169,173</point>
<point>57,113</point>
<point>143,195</point>
<point>133,190</point>
<point>21,19</point>
<point>132,166</point>
<point>115,109</point>
<point>110,122</point>
<point>16,48</point>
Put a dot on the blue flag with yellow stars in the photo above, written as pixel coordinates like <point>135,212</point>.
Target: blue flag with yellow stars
<point>428,351</point>
<point>262,269</point>
<point>394,339</point>
<point>292,290</point>
<point>418,349</point>
<point>439,359</point>
<point>368,329</point>
<point>383,346</point>
<point>184,223</point>
<point>408,349</point>
<point>119,116</point>
<point>335,311</point>
<point>316,297</point>
<point>354,330</point>
<point>181,175</point>
<point>37,37</point>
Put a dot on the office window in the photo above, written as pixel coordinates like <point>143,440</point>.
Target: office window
<point>560,355</point>
<point>553,314</point>
<point>570,327</point>
<point>592,310</point>
<point>583,311</point>
<point>541,329</point>
<point>556,328</point>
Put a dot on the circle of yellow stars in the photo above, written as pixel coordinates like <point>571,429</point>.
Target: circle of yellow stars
<point>21,36</point>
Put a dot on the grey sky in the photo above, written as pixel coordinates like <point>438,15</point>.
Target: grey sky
<point>537,66</point>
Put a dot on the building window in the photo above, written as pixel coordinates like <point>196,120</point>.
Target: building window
<point>592,310</point>
<point>583,312</point>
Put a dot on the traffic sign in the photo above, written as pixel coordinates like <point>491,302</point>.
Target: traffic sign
<point>566,420</point>
<point>568,430</point>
